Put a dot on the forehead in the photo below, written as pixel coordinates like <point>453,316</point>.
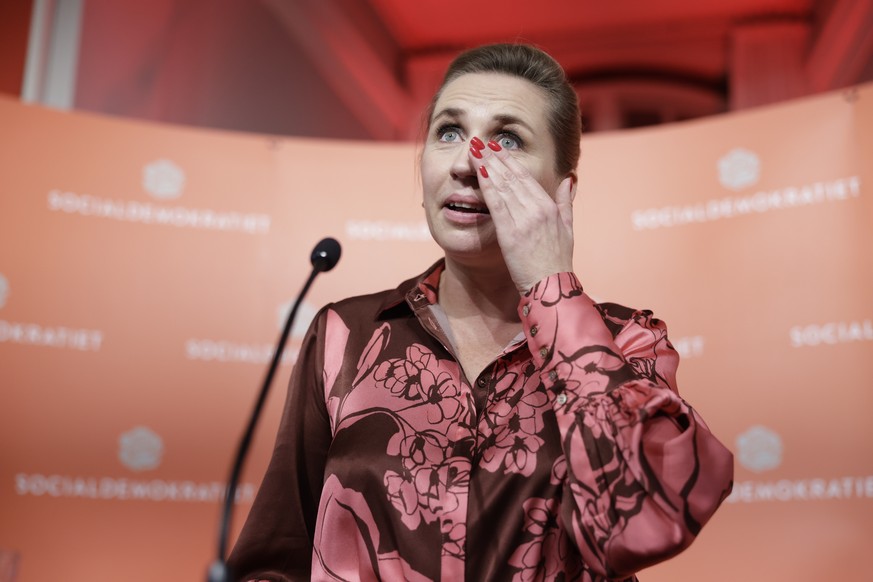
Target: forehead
<point>493,94</point>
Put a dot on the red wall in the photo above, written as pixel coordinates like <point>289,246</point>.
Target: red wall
<point>14,30</point>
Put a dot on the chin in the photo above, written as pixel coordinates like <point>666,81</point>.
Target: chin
<point>468,241</point>
<point>471,251</point>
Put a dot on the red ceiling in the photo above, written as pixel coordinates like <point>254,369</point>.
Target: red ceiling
<point>420,25</point>
<point>366,68</point>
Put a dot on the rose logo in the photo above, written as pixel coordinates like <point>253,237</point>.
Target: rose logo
<point>738,169</point>
<point>760,449</point>
<point>140,449</point>
<point>163,179</point>
<point>305,314</point>
<point>4,290</point>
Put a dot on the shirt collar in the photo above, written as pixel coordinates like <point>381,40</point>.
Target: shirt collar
<point>416,292</point>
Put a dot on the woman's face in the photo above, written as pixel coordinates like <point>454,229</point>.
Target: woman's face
<point>508,110</point>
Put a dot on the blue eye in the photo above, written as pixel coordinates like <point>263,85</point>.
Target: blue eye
<point>449,133</point>
<point>508,141</point>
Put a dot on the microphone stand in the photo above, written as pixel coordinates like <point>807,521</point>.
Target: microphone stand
<point>324,258</point>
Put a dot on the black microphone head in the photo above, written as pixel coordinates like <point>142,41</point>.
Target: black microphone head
<point>326,254</point>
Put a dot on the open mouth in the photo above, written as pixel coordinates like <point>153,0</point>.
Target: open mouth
<point>467,208</point>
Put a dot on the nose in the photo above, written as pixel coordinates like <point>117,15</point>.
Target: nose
<point>462,168</point>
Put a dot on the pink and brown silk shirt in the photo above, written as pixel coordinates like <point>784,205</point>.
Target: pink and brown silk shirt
<point>570,457</point>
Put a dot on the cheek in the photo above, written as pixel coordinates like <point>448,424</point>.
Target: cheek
<point>427,186</point>
<point>430,176</point>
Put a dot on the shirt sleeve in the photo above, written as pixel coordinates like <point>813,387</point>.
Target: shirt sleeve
<point>643,472</point>
<point>276,541</point>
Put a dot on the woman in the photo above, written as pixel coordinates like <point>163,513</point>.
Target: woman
<point>486,420</point>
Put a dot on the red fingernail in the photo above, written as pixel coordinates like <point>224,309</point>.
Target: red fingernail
<point>476,153</point>
<point>483,171</point>
<point>494,146</point>
<point>477,143</point>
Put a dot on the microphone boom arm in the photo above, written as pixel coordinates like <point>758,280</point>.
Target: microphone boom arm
<point>324,257</point>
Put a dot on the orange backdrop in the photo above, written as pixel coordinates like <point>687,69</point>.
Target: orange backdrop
<point>144,271</point>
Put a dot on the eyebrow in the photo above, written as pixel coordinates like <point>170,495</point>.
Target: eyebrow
<point>502,119</point>
<point>506,119</point>
<point>448,112</point>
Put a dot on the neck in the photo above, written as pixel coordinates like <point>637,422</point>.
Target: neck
<point>489,292</point>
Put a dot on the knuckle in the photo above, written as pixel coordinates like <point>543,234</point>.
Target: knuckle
<point>503,186</point>
<point>497,204</point>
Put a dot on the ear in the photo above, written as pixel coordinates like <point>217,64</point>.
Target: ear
<point>575,183</point>
<point>564,199</point>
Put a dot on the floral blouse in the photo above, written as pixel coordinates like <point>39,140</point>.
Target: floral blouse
<point>570,457</point>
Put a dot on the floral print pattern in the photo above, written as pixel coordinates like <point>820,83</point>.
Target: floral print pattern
<point>547,553</point>
<point>511,426</point>
<point>548,466</point>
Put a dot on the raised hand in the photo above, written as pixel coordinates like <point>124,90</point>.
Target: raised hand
<point>534,227</point>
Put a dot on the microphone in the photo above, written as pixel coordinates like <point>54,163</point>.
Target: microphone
<point>325,256</point>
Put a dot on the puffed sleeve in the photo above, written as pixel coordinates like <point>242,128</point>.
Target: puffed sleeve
<point>643,472</point>
<point>276,541</point>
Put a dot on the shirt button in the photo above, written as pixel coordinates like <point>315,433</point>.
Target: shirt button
<point>526,309</point>
<point>533,330</point>
<point>481,382</point>
<point>553,375</point>
<point>544,352</point>
<point>561,399</point>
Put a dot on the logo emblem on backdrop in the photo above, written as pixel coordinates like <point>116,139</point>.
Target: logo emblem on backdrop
<point>305,314</point>
<point>739,169</point>
<point>4,290</point>
<point>759,449</point>
<point>163,179</point>
<point>140,449</point>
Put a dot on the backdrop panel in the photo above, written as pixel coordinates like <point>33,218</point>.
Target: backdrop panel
<point>145,271</point>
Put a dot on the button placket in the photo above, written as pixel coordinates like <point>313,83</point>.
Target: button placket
<point>484,386</point>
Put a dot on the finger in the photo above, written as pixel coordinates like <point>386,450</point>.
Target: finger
<point>498,180</point>
<point>499,186</point>
<point>495,197</point>
<point>515,170</point>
